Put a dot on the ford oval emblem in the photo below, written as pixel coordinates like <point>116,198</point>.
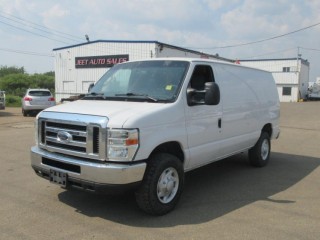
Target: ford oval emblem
<point>64,137</point>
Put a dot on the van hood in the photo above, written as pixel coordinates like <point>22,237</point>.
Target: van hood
<point>116,111</point>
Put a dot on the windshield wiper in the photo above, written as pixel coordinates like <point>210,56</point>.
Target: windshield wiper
<point>129,94</point>
<point>95,95</point>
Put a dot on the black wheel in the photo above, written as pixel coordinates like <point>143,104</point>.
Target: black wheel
<point>260,153</point>
<point>24,112</point>
<point>162,184</point>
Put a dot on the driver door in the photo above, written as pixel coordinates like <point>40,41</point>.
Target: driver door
<point>203,122</point>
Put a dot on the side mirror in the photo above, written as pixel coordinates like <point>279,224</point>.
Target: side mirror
<point>190,97</point>
<point>90,87</point>
<point>212,95</point>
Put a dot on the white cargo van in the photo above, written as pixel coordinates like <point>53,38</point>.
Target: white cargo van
<point>145,123</point>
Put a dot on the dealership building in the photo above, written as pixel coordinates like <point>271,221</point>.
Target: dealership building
<point>77,66</point>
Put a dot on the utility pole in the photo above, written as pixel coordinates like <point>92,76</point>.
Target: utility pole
<point>298,58</point>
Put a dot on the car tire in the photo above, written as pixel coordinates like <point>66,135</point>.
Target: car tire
<point>162,184</point>
<point>24,112</point>
<point>259,155</point>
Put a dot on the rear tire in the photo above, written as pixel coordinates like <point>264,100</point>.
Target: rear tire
<point>162,184</point>
<point>24,112</point>
<point>259,155</point>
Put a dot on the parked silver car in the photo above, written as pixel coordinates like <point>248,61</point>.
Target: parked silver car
<point>36,100</point>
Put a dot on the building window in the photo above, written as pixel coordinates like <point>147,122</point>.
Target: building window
<point>286,91</point>
<point>286,69</point>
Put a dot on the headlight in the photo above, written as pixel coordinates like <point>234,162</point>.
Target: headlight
<point>122,144</point>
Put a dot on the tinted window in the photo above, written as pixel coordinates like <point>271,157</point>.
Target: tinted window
<point>39,93</point>
<point>200,76</point>
<point>286,91</point>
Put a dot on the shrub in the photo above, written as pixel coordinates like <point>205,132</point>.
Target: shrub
<point>13,101</point>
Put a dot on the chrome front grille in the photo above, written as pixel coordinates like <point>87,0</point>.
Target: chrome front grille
<point>77,141</point>
<point>85,137</point>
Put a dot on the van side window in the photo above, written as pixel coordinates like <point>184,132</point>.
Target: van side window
<point>201,74</point>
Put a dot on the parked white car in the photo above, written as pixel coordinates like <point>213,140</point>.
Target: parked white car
<point>145,123</point>
<point>36,100</point>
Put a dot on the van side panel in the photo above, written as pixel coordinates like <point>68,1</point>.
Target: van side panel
<point>249,98</point>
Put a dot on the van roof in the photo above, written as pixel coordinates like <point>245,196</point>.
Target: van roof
<point>195,60</point>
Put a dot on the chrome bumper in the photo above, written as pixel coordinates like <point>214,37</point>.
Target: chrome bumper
<point>86,172</point>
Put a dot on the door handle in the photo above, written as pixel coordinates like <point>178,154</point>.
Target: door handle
<point>219,122</point>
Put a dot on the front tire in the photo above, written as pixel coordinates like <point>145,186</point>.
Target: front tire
<point>162,184</point>
<point>259,155</point>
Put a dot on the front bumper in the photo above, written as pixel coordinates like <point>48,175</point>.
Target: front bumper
<point>28,107</point>
<point>88,175</point>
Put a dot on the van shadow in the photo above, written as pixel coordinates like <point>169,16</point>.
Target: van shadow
<point>210,192</point>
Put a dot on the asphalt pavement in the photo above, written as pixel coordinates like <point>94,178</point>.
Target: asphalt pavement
<point>228,199</point>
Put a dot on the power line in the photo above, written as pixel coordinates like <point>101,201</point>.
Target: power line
<point>44,35</point>
<point>263,40</point>
<point>32,32</point>
<point>40,27</point>
<point>311,49</point>
<point>26,52</point>
<point>280,51</point>
<point>270,53</point>
<point>41,35</point>
<point>45,31</point>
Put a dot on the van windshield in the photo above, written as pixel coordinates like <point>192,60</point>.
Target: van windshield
<point>154,81</point>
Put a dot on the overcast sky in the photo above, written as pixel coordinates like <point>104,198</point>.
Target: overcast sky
<point>30,29</point>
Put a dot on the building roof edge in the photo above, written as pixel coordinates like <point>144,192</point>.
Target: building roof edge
<point>304,61</point>
<point>146,41</point>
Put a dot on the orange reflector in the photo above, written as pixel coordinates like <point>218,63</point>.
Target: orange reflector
<point>131,142</point>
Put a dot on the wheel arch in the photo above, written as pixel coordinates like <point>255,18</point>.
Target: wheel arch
<point>173,148</point>
<point>267,129</point>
